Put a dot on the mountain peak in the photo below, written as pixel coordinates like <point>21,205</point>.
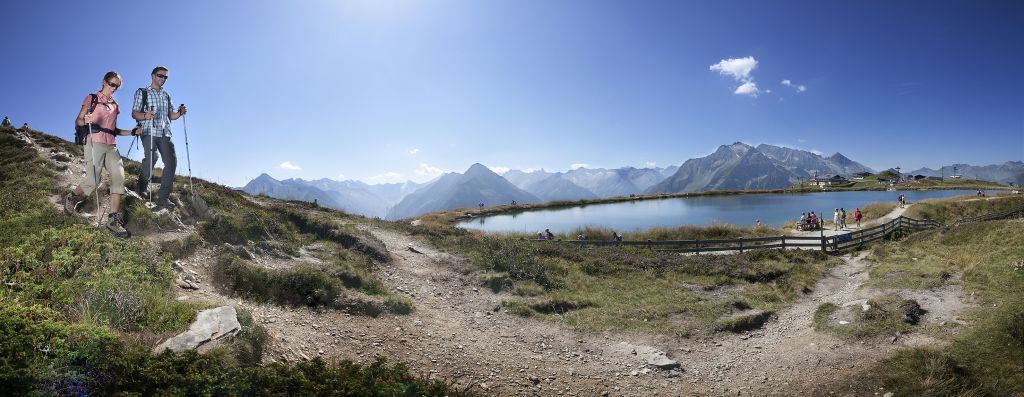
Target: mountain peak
<point>264,177</point>
<point>839,158</point>
<point>737,148</point>
<point>477,167</point>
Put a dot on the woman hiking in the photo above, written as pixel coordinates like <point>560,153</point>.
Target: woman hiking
<point>101,152</point>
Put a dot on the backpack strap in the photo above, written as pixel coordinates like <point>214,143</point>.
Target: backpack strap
<point>145,99</point>
<point>92,103</point>
<point>95,127</point>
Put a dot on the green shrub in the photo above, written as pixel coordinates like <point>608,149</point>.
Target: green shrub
<point>303,285</point>
<point>517,259</point>
<point>39,353</point>
<point>743,322</point>
<point>181,248</point>
<point>94,276</point>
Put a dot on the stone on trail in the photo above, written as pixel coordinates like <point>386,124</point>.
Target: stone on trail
<point>651,356</point>
<point>211,328</point>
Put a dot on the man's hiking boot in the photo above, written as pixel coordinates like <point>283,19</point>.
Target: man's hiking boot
<point>73,203</point>
<point>165,204</point>
<point>115,223</point>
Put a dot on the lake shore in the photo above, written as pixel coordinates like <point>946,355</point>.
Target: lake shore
<point>457,215</point>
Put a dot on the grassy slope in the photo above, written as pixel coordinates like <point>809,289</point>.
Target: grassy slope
<point>632,288</point>
<point>79,309</point>
<point>987,260</point>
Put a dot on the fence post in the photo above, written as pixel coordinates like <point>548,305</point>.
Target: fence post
<point>741,245</point>
<point>783,238</point>
<point>696,243</point>
<point>822,238</point>
<point>862,238</point>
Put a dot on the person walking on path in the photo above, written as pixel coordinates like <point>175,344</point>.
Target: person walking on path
<point>842,216</point>
<point>835,219</point>
<point>857,216</point>
<point>153,109</point>
<point>6,122</point>
<point>101,152</point>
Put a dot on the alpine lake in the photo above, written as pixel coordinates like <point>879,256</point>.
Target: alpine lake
<point>772,209</point>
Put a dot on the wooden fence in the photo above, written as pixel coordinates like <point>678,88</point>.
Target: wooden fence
<point>831,244</point>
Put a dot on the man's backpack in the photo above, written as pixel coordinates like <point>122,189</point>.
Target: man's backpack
<point>82,131</point>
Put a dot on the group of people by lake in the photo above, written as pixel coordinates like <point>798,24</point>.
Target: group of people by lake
<point>547,235</point>
<point>811,220</point>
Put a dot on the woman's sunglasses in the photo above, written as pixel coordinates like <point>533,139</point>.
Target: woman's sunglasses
<point>115,86</point>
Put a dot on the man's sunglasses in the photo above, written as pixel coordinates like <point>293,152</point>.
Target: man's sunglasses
<point>162,76</point>
<point>114,85</point>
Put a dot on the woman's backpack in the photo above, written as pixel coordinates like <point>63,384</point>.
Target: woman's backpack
<point>82,131</point>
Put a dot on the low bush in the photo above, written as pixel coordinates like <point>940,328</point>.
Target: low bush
<point>303,285</point>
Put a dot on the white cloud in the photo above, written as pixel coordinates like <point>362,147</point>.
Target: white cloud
<point>748,88</point>
<point>578,165</point>
<point>341,177</point>
<point>797,87</point>
<point>414,151</point>
<point>738,68</point>
<point>801,140</point>
<point>650,164</point>
<point>500,170</point>
<point>428,170</point>
<point>287,165</point>
<point>817,152</point>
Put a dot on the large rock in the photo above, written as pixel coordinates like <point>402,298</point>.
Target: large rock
<point>650,355</point>
<point>211,328</point>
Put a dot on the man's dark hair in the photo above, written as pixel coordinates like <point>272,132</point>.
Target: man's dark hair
<point>159,69</point>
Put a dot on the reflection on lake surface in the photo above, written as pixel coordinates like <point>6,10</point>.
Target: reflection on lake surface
<point>773,209</point>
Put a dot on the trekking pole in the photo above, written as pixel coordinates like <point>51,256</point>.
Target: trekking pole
<point>188,157</point>
<point>152,152</point>
<point>95,177</point>
<point>135,140</point>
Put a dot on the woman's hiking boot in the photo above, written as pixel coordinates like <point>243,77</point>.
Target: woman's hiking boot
<point>115,223</point>
<point>73,203</point>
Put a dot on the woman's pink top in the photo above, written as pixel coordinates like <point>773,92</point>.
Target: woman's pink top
<point>104,115</point>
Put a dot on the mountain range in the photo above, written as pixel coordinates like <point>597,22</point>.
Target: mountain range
<point>740,166</point>
<point>349,196</point>
<point>730,167</point>
<point>478,185</point>
<point>1008,172</point>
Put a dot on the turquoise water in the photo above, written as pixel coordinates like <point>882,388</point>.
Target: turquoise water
<point>773,209</point>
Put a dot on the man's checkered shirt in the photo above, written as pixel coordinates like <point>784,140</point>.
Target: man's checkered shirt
<point>158,101</point>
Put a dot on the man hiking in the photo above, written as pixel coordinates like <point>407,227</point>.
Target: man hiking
<point>153,109</point>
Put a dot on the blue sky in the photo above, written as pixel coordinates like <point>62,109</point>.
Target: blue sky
<point>385,91</point>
